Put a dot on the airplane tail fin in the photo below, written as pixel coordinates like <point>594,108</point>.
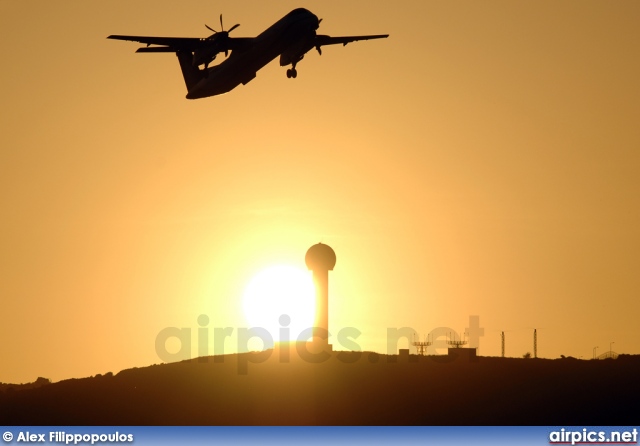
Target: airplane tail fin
<point>192,75</point>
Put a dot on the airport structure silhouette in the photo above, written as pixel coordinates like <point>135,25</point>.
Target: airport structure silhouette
<point>321,259</point>
<point>343,388</point>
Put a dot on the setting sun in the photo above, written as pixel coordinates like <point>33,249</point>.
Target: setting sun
<point>277,291</point>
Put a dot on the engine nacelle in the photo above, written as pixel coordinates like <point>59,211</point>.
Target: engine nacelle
<point>215,44</point>
<point>204,56</point>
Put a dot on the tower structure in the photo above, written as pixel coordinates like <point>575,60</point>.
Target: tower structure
<point>502,344</point>
<point>321,259</point>
<point>535,343</point>
<point>421,346</point>
<point>456,343</point>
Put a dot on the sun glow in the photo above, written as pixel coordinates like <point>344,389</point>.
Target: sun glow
<point>277,291</point>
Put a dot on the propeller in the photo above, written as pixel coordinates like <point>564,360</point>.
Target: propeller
<point>222,33</point>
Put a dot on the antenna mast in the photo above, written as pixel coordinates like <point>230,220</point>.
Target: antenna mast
<point>421,346</point>
<point>456,344</point>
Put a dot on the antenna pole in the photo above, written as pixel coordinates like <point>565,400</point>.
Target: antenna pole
<point>535,343</point>
<point>502,344</point>
<point>421,346</point>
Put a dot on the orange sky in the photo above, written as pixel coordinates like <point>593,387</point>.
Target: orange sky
<point>483,160</point>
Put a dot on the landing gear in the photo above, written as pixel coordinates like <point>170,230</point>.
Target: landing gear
<point>292,73</point>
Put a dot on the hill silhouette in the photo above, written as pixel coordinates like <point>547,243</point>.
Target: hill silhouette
<point>4,387</point>
<point>348,389</point>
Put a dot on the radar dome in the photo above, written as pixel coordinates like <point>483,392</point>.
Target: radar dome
<point>320,257</point>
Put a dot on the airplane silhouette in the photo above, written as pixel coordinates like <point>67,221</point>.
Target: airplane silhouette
<point>291,38</point>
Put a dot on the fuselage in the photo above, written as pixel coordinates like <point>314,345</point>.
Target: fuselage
<point>290,37</point>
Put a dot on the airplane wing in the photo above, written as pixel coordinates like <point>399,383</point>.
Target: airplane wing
<point>322,40</point>
<point>173,44</point>
<point>177,43</point>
